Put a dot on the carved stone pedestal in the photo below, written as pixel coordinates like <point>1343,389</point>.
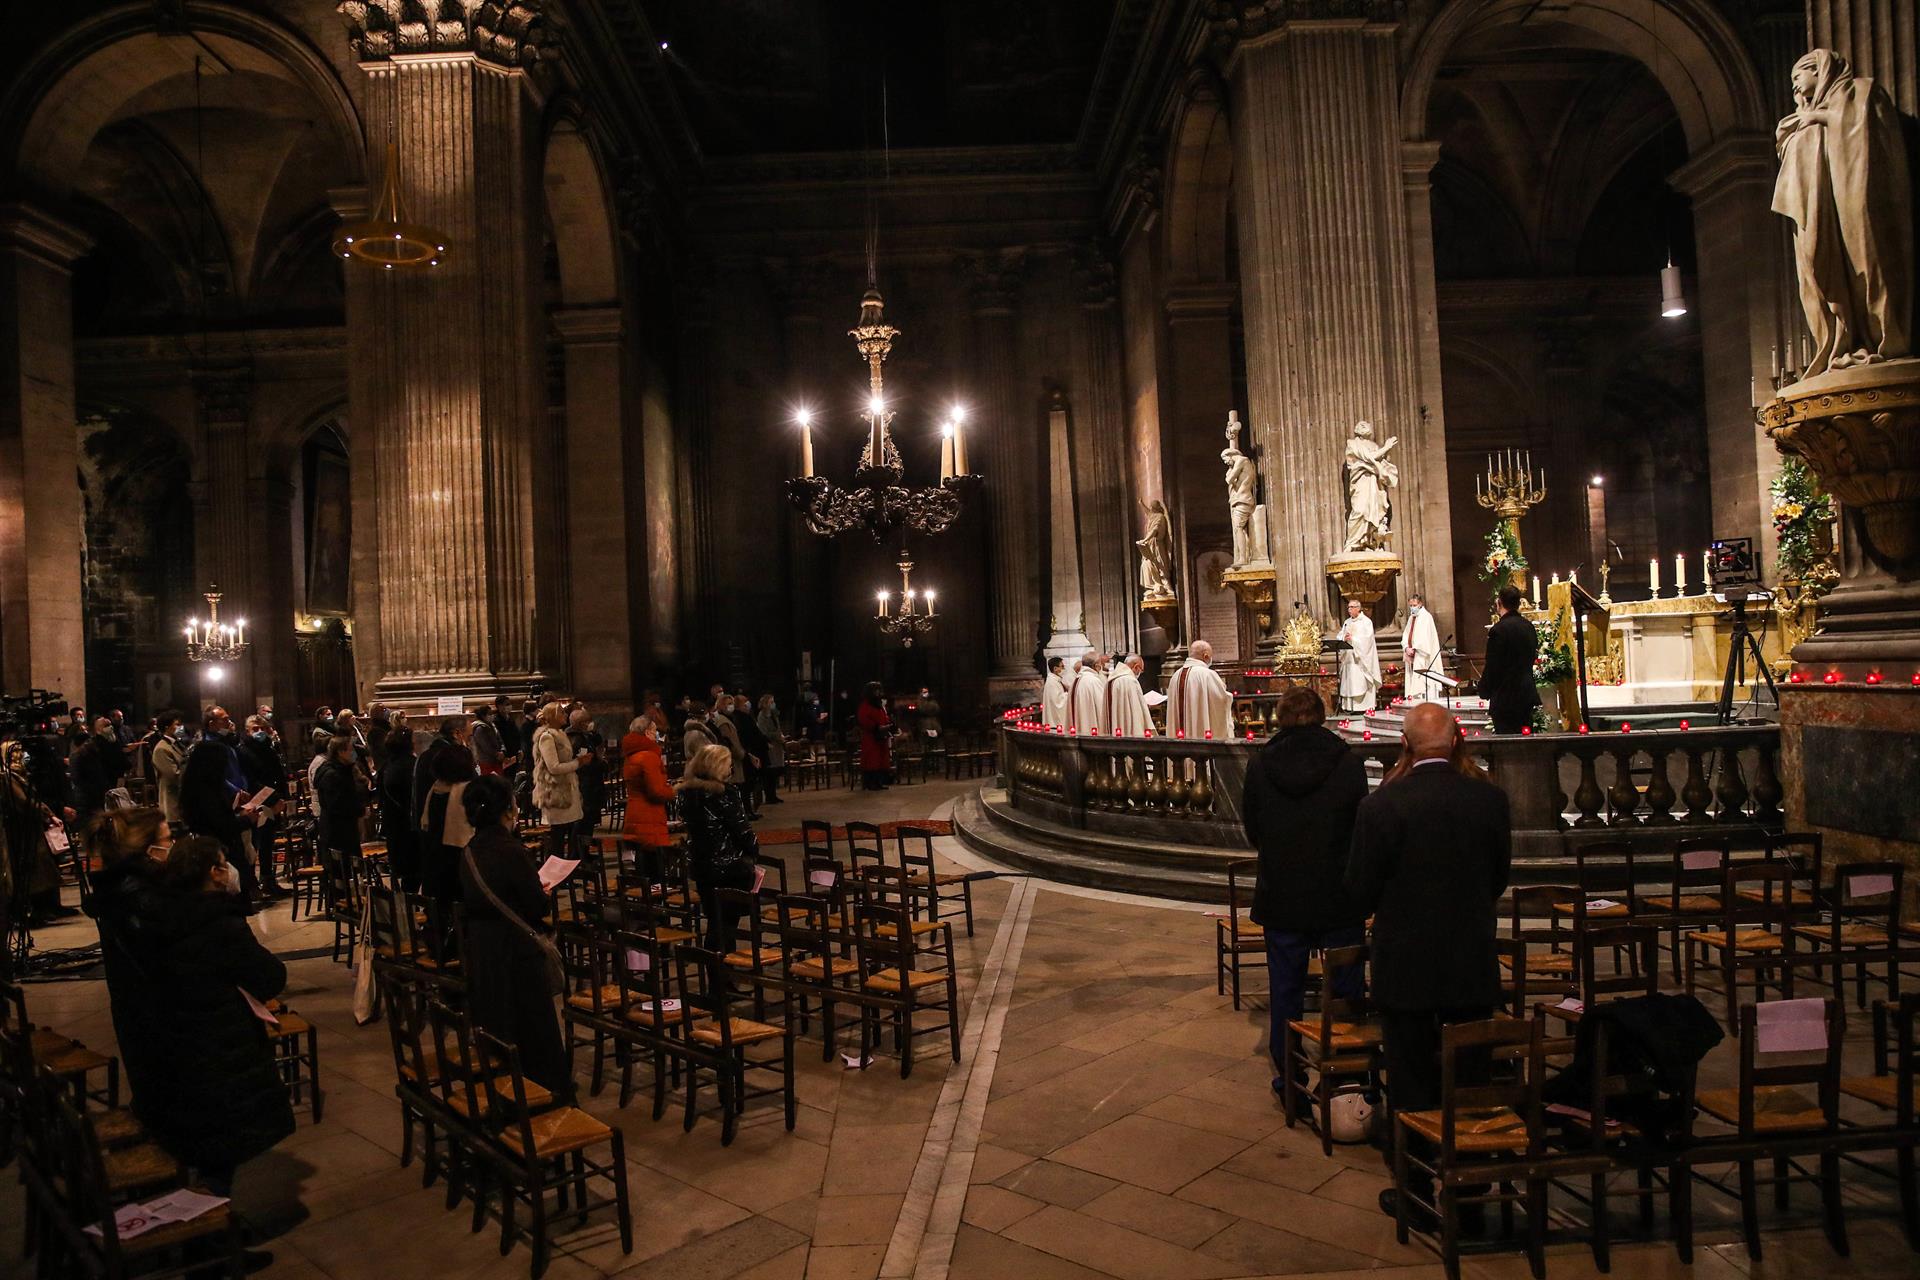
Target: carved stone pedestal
<point>1365,576</point>
<point>1253,583</point>
<point>1850,710</point>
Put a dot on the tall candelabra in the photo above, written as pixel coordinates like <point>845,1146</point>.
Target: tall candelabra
<point>211,640</point>
<point>1509,489</point>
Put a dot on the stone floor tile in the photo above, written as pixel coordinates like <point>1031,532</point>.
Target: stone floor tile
<point>1056,1183</point>
<point>991,1162</point>
<point>982,1255</point>
<point>1178,1221</point>
<point>721,1254</point>
<point>1156,1154</point>
<point>855,1219</point>
<point>995,1208</point>
<point>873,1159</point>
<point>1252,1247</point>
<point>845,1262</point>
<point>1117,1251</point>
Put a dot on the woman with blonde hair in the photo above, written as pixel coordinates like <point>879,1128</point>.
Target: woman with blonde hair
<point>556,786</point>
<point>720,842</point>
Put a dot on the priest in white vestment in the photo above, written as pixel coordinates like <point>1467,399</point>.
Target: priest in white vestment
<point>1197,698</point>
<point>1421,653</point>
<point>1087,697</point>
<point>1053,695</point>
<point>1360,664</point>
<point>1127,702</point>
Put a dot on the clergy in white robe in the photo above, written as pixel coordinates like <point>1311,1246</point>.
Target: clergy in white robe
<point>1087,701</point>
<point>1127,702</point>
<point>1197,698</point>
<point>1053,696</point>
<point>1421,653</point>
<point>1360,664</point>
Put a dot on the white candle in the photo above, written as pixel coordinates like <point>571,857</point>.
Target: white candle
<point>1679,574</point>
<point>959,446</point>
<point>1653,577</point>
<point>1706,572</point>
<point>1536,591</point>
<point>1573,576</point>
<point>877,446</point>
<point>806,447</point>
<point>929,604</point>
<point>946,452</point>
<point>883,605</point>
<point>240,632</point>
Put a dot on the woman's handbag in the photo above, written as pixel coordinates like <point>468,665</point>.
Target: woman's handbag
<point>550,954</point>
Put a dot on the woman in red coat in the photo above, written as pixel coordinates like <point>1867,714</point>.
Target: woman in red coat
<point>876,740</point>
<point>644,767</point>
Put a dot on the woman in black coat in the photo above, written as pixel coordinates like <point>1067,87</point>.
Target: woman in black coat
<point>720,840</point>
<point>129,890</point>
<point>507,991</point>
<point>217,1099</point>
<point>343,798</point>
<point>396,802</point>
<point>1301,795</point>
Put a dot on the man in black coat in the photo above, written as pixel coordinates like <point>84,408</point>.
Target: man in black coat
<point>210,788</point>
<point>1507,679</point>
<point>755,743</point>
<point>1431,856</point>
<point>452,730</point>
<point>1298,809</point>
<point>261,766</point>
<point>98,764</point>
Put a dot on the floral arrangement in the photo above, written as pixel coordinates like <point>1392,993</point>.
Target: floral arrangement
<point>1552,661</point>
<point>1502,559</point>
<point>1800,512</point>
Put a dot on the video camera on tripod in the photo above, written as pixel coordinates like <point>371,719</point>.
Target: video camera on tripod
<point>1736,581</point>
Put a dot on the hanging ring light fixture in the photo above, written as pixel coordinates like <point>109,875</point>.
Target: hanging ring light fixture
<point>387,240</point>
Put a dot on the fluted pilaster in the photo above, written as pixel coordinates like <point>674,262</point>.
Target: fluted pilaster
<point>1107,575</point>
<point>1014,468</point>
<point>1327,288</point>
<point>1881,38</point>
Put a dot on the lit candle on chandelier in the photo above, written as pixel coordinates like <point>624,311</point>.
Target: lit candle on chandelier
<point>946,451</point>
<point>877,410</point>
<point>805,418</point>
<point>959,441</point>
<point>929,604</point>
<point>883,604</point>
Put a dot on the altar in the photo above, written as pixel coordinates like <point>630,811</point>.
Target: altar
<point>1670,649</point>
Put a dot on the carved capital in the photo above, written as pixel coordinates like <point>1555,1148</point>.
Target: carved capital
<point>1236,20</point>
<point>1859,429</point>
<point>1096,274</point>
<point>993,278</point>
<point>506,33</point>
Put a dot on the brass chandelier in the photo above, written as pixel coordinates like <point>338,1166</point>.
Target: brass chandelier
<point>878,501</point>
<point>211,640</point>
<point>914,615</point>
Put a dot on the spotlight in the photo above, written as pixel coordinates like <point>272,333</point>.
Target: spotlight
<point>1673,295</point>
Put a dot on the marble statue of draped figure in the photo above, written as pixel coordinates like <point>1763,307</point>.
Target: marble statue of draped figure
<point>1369,476</point>
<point>1156,554</point>
<point>1844,182</point>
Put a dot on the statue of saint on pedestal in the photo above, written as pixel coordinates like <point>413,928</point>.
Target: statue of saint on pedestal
<point>1844,183</point>
<point>1241,482</point>
<point>1369,476</point>
<point>1156,555</point>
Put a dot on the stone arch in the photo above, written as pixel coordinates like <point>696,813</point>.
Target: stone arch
<point>1200,188</point>
<point>79,83</point>
<point>1686,44</point>
<point>580,210</point>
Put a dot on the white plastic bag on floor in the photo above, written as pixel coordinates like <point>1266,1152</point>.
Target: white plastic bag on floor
<point>366,1004</point>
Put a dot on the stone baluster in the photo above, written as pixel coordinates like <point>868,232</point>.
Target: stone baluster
<point>1732,787</point>
<point>1200,793</point>
<point>1587,797</point>
<point>1623,795</point>
<point>1660,795</point>
<point>1694,791</point>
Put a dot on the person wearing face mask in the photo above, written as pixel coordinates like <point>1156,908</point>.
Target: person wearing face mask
<point>211,790</point>
<point>261,765</point>
<point>165,758</point>
<point>1421,645</point>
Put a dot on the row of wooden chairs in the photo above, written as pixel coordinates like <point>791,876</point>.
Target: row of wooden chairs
<point>82,1156</point>
<point>506,1143</point>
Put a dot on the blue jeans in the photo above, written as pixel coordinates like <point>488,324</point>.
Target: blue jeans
<point>1287,980</point>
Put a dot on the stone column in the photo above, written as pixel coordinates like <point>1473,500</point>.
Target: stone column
<point>42,631</point>
<point>800,287</point>
<point>1068,607</point>
<point>600,666</point>
<point>1327,284</point>
<point>1737,238</point>
<point>269,519</point>
<point>1006,439</point>
<point>1431,573</point>
<point>1881,38</point>
<point>1199,394</point>
<point>223,545</point>
<point>448,366</point>
<point>1107,584</point>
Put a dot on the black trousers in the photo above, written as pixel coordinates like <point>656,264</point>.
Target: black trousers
<point>1508,719</point>
<point>1411,1049</point>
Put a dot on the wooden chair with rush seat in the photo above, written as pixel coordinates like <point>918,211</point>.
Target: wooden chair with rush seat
<point>944,893</point>
<point>1894,1089</point>
<point>1234,935</point>
<point>718,1042</point>
<point>1754,933</point>
<point>1339,1046</point>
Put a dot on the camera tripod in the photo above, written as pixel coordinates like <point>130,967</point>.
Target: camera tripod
<point>1742,643</point>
